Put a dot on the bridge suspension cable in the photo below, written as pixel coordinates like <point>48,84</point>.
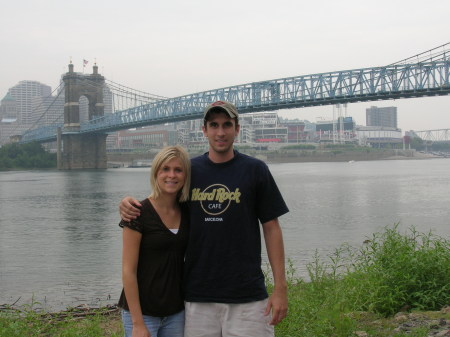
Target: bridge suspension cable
<point>122,98</point>
<point>125,97</point>
<point>440,53</point>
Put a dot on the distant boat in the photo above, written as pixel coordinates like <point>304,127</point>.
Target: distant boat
<point>351,161</point>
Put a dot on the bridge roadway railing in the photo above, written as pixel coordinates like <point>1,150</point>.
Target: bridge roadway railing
<point>367,84</point>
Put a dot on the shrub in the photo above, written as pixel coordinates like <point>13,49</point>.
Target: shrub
<point>403,272</point>
<point>391,272</point>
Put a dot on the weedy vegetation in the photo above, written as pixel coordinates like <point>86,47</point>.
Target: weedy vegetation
<point>353,287</point>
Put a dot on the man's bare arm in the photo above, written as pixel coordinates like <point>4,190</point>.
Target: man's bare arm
<point>278,301</point>
<point>128,208</point>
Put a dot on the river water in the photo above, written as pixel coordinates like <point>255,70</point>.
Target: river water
<point>60,244</point>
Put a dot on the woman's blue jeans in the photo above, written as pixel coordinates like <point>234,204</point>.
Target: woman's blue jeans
<point>169,326</point>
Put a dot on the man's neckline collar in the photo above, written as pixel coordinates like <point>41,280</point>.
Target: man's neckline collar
<point>235,153</point>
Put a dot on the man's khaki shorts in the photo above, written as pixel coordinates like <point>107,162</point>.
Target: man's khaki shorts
<point>226,320</point>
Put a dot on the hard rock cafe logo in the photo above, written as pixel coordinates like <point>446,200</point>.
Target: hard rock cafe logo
<point>215,199</point>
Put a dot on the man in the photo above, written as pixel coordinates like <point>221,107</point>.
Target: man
<point>230,194</point>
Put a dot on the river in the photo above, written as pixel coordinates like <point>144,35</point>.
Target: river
<point>60,245</point>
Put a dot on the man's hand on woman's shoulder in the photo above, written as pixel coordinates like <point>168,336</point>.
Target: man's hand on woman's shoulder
<point>128,208</point>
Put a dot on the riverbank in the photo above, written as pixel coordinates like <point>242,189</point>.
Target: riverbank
<point>106,322</point>
<point>293,156</point>
<point>80,321</point>
<point>343,156</point>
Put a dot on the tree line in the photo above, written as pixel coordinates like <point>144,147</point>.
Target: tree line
<point>419,144</point>
<point>26,156</point>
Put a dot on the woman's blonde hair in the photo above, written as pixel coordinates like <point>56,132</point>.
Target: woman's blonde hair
<point>166,154</point>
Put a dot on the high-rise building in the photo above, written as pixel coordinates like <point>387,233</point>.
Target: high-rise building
<point>385,117</point>
<point>8,118</point>
<point>24,92</point>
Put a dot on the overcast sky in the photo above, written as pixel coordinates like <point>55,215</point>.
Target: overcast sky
<point>178,47</point>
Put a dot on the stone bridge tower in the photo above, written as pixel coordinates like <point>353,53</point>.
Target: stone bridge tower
<point>82,150</point>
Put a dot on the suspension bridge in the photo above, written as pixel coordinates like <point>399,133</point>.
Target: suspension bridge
<point>424,74</point>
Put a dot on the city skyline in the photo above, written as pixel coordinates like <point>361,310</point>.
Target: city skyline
<point>157,47</point>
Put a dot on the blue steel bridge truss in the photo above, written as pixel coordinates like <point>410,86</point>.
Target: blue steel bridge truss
<point>430,78</point>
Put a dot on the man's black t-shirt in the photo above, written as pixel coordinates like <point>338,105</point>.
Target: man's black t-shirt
<point>227,202</point>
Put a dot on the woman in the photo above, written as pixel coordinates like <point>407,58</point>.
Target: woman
<point>153,251</point>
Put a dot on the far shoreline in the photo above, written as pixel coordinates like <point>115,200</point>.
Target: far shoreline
<point>294,156</point>
<point>350,157</point>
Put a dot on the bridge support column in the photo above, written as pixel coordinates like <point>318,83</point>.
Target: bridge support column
<point>83,151</point>
<point>58,149</point>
